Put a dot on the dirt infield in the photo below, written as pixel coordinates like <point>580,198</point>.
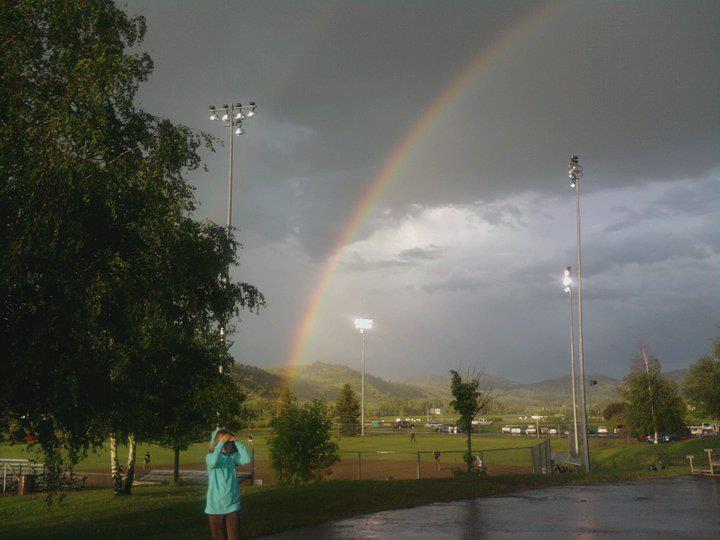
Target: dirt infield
<point>345,469</point>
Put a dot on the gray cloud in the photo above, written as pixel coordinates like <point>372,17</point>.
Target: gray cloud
<point>630,86</point>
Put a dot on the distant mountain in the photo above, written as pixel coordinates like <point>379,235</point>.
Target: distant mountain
<point>558,391</point>
<point>258,382</point>
<point>322,380</point>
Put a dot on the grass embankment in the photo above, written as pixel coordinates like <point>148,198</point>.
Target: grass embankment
<point>177,512</point>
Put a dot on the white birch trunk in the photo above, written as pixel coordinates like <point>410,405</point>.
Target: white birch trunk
<point>132,455</point>
<point>115,465</point>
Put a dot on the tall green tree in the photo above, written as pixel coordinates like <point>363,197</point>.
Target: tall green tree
<point>653,402</point>
<point>347,411</point>
<point>301,445</point>
<point>702,384</point>
<point>93,205</point>
<point>470,400</point>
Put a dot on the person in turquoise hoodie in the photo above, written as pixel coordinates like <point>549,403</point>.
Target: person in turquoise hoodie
<point>223,494</point>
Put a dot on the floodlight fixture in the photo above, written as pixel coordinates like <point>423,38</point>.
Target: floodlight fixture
<point>574,170</point>
<point>567,280</point>
<point>363,325</point>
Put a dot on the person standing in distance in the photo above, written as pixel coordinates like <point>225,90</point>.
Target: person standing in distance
<point>223,494</point>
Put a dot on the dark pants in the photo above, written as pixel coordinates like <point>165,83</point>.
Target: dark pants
<point>225,526</point>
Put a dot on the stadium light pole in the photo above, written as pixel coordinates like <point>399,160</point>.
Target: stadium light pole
<point>567,281</point>
<point>232,117</point>
<point>363,325</point>
<point>575,172</point>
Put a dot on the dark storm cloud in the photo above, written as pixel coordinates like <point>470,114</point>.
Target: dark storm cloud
<point>631,86</point>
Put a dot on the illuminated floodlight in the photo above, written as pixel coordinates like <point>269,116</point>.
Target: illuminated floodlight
<point>574,170</point>
<point>239,131</point>
<point>225,117</point>
<point>567,280</point>
<point>363,325</point>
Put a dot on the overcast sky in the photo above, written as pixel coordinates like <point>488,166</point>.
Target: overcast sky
<point>459,258</point>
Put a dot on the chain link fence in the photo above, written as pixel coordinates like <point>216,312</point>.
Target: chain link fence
<point>390,465</point>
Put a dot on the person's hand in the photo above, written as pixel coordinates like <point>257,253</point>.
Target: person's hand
<point>225,437</point>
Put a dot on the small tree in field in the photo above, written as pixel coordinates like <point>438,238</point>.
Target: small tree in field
<point>301,445</point>
<point>614,411</point>
<point>653,402</point>
<point>347,411</point>
<point>286,401</point>
<point>702,384</point>
<point>469,401</point>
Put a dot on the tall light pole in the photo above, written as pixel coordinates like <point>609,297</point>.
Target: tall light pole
<point>567,281</point>
<point>363,325</point>
<point>231,116</point>
<point>575,173</point>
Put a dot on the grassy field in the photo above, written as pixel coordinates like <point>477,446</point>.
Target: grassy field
<point>425,442</point>
<point>177,512</point>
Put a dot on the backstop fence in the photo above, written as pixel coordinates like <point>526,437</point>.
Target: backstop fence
<point>391,465</point>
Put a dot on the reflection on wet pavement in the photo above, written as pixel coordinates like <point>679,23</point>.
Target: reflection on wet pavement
<point>686,507</point>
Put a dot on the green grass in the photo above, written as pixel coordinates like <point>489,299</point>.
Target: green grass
<point>163,457</point>
<point>177,512</point>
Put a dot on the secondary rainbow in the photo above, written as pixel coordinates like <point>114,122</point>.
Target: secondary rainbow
<point>396,159</point>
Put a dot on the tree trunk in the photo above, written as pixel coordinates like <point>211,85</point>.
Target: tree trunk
<point>132,455</point>
<point>176,465</point>
<point>115,466</point>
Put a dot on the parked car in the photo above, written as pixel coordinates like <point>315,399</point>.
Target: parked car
<point>696,430</point>
<point>531,430</point>
<point>404,424</point>
<point>433,425</point>
<point>553,431</point>
<point>482,422</point>
<point>510,427</point>
<point>603,430</point>
<point>662,438</point>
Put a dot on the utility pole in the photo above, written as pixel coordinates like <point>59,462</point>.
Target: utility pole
<point>575,173</point>
<point>643,351</point>
<point>363,325</point>
<point>232,117</point>
<point>567,281</point>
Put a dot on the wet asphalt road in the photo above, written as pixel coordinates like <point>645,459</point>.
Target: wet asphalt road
<point>685,507</point>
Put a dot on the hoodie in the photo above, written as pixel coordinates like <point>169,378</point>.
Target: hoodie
<point>223,494</point>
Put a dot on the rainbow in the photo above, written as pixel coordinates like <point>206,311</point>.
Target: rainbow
<point>395,160</point>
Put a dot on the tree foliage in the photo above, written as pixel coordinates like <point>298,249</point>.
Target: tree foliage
<point>614,411</point>
<point>652,401</point>
<point>347,411</point>
<point>702,383</point>
<point>469,401</point>
<point>106,281</point>
<point>301,445</point>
